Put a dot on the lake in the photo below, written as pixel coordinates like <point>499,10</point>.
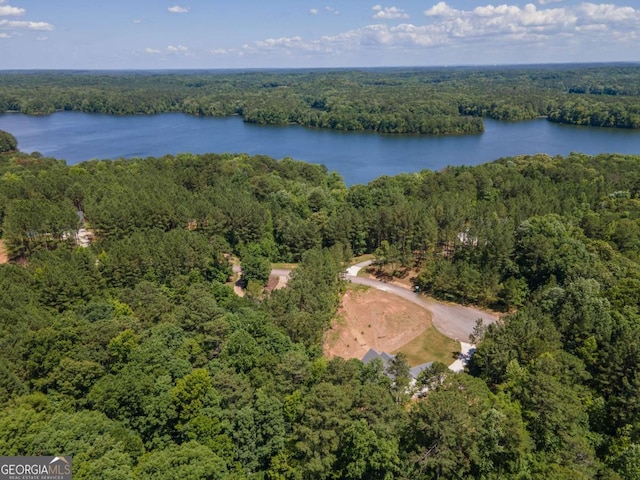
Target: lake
<point>358,157</point>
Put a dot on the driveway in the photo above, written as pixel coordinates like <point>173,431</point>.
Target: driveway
<point>454,321</point>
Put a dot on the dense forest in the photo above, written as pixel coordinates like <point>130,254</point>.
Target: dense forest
<point>437,101</point>
<point>135,356</point>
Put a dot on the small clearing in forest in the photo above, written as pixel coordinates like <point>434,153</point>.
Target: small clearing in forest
<point>372,318</point>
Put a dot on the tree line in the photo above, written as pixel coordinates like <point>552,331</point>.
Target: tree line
<point>434,101</point>
<point>135,356</point>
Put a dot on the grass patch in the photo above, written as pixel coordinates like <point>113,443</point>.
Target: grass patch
<point>340,320</point>
<point>362,258</point>
<point>363,272</point>
<point>354,287</point>
<point>284,266</point>
<point>430,346</point>
<point>331,338</point>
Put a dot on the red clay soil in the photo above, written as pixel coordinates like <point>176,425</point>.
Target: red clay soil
<point>272,283</point>
<point>3,253</point>
<point>374,319</point>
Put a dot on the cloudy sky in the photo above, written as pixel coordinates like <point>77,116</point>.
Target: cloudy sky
<point>116,34</point>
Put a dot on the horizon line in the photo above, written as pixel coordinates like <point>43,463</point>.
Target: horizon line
<point>371,67</point>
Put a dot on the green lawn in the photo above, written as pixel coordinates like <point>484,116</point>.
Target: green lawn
<point>284,266</point>
<point>362,258</point>
<point>431,346</point>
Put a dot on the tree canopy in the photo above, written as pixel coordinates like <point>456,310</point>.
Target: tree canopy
<point>435,101</point>
<point>8,142</point>
<point>135,356</point>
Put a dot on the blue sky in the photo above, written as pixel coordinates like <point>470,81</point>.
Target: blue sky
<point>118,34</point>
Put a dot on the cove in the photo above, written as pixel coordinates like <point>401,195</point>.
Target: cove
<point>358,157</point>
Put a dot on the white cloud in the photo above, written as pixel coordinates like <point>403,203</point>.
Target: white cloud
<point>169,50</point>
<point>137,21</point>
<point>610,13</point>
<point>8,10</point>
<point>178,49</point>
<point>42,39</point>
<point>178,9</point>
<point>545,2</point>
<point>530,22</point>
<point>389,13</point>
<point>442,10</point>
<point>22,24</point>
<point>403,35</point>
<point>327,9</point>
<point>501,20</point>
<point>12,28</point>
<point>524,31</point>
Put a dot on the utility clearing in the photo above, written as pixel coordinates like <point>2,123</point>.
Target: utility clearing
<point>370,318</point>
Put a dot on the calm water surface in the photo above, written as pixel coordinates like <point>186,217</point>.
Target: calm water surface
<point>358,157</point>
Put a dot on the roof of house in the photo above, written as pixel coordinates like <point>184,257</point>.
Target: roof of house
<point>372,354</point>
<point>416,370</point>
<point>386,358</point>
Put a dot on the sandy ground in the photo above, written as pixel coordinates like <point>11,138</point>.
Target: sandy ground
<point>3,253</point>
<point>374,319</point>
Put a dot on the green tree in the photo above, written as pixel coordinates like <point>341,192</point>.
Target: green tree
<point>255,267</point>
<point>192,394</point>
<point>190,461</point>
<point>8,142</point>
<point>400,373</point>
<point>31,224</point>
<point>92,439</point>
<point>366,455</point>
<point>460,430</point>
<point>546,249</point>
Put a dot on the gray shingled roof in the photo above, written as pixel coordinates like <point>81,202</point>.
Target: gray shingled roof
<point>416,370</point>
<point>372,354</point>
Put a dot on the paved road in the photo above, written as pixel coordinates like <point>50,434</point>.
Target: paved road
<point>280,272</point>
<point>454,321</point>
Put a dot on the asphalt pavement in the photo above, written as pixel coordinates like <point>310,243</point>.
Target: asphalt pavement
<point>453,320</point>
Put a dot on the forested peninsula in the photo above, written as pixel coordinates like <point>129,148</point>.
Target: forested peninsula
<point>435,101</point>
<point>132,353</point>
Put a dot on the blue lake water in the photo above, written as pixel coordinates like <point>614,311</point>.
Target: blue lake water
<point>358,157</point>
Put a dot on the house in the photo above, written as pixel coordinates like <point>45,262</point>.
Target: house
<point>386,358</point>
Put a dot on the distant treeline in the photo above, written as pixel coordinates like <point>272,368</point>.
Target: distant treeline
<point>436,101</point>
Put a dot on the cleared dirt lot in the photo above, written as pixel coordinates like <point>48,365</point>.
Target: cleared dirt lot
<point>3,253</point>
<point>372,318</point>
